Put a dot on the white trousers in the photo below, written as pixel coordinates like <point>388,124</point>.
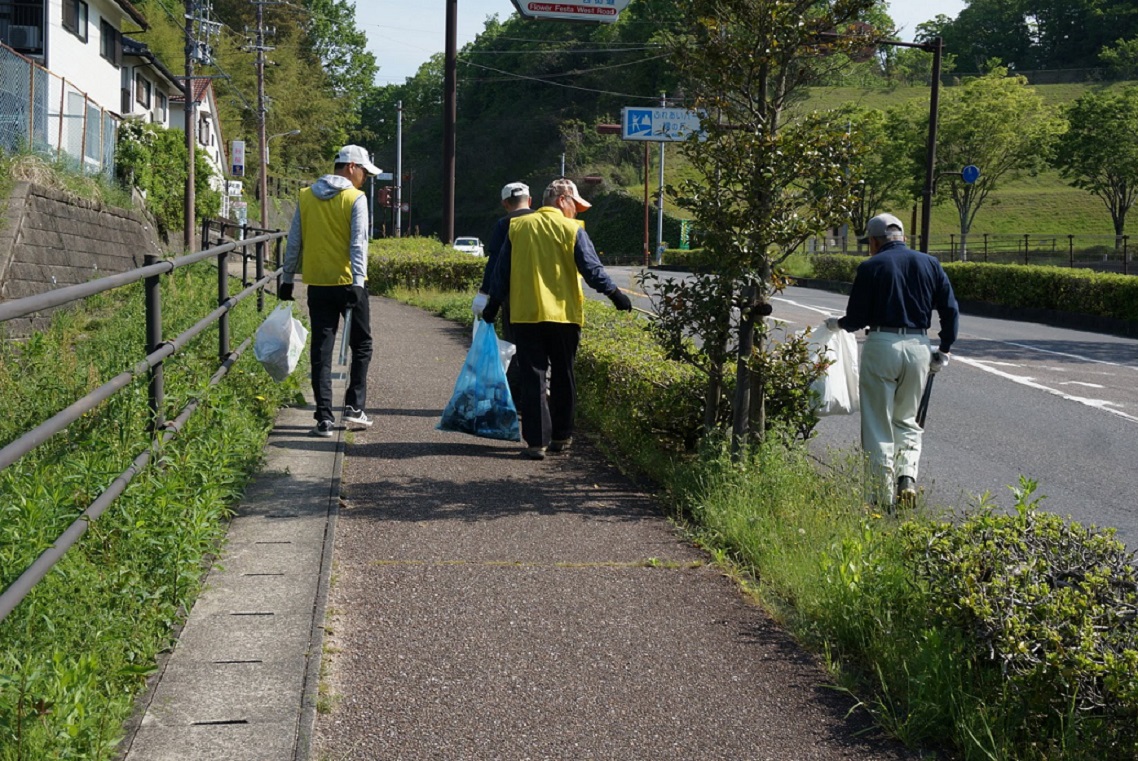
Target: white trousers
<point>893,372</point>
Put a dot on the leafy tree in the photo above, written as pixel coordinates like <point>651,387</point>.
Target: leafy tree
<point>1039,34</point>
<point>997,123</point>
<point>768,182</point>
<point>341,47</point>
<point>1121,58</point>
<point>887,163</point>
<point>1099,151</point>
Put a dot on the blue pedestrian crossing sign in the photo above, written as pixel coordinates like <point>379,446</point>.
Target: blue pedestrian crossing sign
<point>659,125</point>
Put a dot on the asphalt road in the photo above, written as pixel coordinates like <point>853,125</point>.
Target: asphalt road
<point>1055,405</point>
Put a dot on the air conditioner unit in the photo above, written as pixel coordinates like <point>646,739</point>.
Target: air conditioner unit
<point>24,37</point>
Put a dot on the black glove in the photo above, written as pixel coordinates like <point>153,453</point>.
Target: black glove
<point>284,291</point>
<point>357,295</point>
<point>490,312</point>
<point>620,300</point>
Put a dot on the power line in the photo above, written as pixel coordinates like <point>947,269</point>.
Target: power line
<point>546,51</point>
<point>575,72</point>
<point>512,75</point>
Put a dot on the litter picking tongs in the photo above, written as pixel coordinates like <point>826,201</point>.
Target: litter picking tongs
<point>345,336</point>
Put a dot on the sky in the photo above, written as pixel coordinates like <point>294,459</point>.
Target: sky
<point>403,34</point>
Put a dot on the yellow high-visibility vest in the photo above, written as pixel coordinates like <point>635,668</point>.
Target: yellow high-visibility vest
<point>544,283</point>
<point>326,227</point>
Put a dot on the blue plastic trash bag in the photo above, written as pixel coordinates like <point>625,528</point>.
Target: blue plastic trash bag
<point>481,404</point>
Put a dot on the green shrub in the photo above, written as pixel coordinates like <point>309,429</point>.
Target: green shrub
<point>1060,288</point>
<point>421,263</point>
<point>1047,605</point>
<point>840,269</point>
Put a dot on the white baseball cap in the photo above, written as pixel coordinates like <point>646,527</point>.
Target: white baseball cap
<point>515,190</point>
<point>354,154</point>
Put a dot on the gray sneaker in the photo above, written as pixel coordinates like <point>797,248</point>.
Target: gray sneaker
<point>323,429</point>
<point>357,417</point>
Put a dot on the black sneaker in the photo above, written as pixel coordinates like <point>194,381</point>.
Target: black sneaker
<point>357,417</point>
<point>323,429</point>
<point>560,445</point>
<point>534,453</point>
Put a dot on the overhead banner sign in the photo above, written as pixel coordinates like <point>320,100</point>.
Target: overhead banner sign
<point>658,125</point>
<point>603,11</point>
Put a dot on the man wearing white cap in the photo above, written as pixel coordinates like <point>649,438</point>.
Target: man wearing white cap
<point>537,272</point>
<point>327,246</point>
<point>516,201</point>
<point>894,294</point>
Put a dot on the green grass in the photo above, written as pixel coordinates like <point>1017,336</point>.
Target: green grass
<point>77,650</point>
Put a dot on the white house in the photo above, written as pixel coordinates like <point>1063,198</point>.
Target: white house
<point>147,85</point>
<point>77,40</point>
<point>207,128</point>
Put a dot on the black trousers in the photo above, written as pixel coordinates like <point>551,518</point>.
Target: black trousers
<point>326,304</point>
<point>546,347</point>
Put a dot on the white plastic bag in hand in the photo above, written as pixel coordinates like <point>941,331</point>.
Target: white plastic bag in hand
<point>279,342</point>
<point>836,390</point>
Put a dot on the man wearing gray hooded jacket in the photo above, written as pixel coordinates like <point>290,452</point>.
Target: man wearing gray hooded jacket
<point>327,246</point>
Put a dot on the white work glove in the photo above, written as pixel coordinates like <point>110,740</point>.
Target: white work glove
<point>479,303</point>
<point>938,362</point>
<point>832,324</point>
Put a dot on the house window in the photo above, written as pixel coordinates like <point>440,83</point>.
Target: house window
<point>142,91</point>
<point>205,134</point>
<point>110,44</point>
<point>162,112</point>
<point>75,18</point>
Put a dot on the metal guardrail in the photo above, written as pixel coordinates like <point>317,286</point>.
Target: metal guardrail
<point>158,350</point>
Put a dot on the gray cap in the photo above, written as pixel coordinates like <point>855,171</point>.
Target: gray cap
<point>878,227</point>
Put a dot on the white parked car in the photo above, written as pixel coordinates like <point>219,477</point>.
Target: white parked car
<point>469,246</point>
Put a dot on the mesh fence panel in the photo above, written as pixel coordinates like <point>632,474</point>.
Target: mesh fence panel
<point>48,115</point>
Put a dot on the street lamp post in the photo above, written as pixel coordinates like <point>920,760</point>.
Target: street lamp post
<point>936,47</point>
<point>265,174</point>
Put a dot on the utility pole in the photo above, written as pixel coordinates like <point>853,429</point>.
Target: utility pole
<point>660,199</point>
<point>262,112</point>
<point>198,32</point>
<point>450,115</point>
<point>399,170</point>
<point>190,221</point>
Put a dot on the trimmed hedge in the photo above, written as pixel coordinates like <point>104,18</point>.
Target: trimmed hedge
<point>421,263</point>
<point>1080,291</point>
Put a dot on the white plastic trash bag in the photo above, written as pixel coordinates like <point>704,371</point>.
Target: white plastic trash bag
<point>279,342</point>
<point>836,391</point>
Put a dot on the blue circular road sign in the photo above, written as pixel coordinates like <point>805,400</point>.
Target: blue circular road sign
<point>970,173</point>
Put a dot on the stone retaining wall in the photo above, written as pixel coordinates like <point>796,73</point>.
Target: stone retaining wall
<point>49,239</point>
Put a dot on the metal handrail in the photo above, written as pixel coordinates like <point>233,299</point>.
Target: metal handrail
<point>158,352</point>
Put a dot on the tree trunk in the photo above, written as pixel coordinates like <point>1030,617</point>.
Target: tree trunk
<point>742,411</point>
<point>711,401</point>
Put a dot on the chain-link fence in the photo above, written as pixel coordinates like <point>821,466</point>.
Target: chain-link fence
<point>46,114</point>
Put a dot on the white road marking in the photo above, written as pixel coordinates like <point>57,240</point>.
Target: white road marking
<point>1081,383</point>
<point>1100,404</point>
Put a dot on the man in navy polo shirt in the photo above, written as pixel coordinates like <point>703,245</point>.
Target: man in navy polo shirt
<point>894,294</point>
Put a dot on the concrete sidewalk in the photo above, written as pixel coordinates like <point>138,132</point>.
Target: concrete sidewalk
<point>481,606</point>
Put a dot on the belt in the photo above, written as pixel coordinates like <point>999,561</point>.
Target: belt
<point>900,331</point>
